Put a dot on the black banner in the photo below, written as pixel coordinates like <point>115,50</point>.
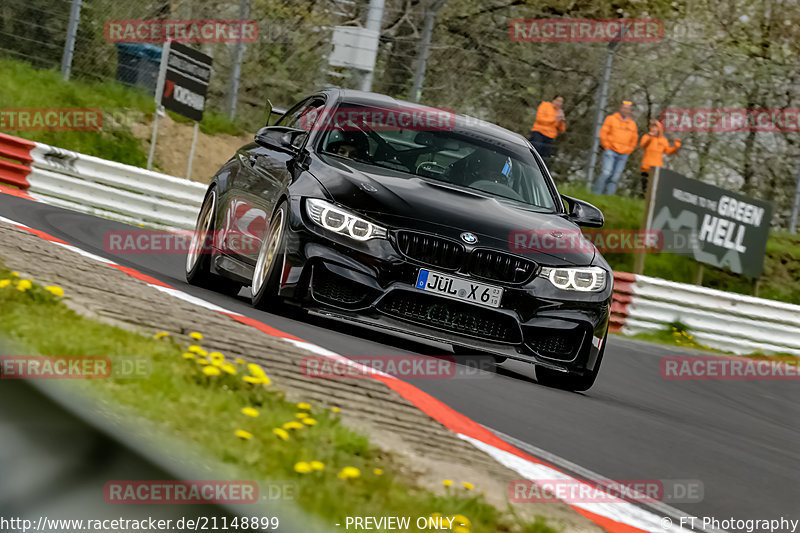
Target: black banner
<point>718,227</point>
<point>186,82</point>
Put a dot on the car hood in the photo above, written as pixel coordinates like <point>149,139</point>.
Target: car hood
<point>398,200</point>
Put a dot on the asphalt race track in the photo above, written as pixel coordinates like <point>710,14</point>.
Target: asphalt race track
<point>741,439</point>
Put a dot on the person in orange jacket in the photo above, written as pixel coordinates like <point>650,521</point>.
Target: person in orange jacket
<point>618,137</point>
<point>655,145</point>
<point>548,124</point>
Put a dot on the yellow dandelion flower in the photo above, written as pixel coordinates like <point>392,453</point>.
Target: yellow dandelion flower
<point>249,411</point>
<point>161,335</point>
<point>308,421</point>
<point>256,370</point>
<point>24,285</point>
<point>240,361</point>
<point>188,355</point>
<point>211,371</point>
<point>216,355</point>
<point>201,361</point>
<point>4,283</point>
<point>196,336</point>
<point>55,291</point>
<point>242,434</point>
<point>317,465</point>
<point>229,369</point>
<point>302,415</point>
<point>302,467</point>
<point>281,433</point>
<point>292,425</point>
<point>195,348</point>
<point>304,405</point>
<point>377,472</point>
<point>349,472</point>
<point>15,274</point>
<point>468,485</point>
<point>447,482</point>
<point>335,409</point>
<point>461,520</point>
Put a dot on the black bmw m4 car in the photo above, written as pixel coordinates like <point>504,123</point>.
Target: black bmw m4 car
<point>364,208</point>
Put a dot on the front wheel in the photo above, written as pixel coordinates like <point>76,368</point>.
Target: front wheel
<point>266,276</point>
<point>569,381</point>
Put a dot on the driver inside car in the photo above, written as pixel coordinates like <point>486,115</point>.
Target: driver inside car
<point>482,165</point>
<point>350,144</point>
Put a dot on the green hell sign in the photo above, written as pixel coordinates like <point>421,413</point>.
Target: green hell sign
<point>715,226</point>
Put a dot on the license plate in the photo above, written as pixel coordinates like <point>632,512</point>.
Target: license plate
<point>458,288</point>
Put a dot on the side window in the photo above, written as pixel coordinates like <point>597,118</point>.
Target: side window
<point>303,116</point>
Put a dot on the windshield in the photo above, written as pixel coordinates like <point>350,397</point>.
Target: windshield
<point>460,158</point>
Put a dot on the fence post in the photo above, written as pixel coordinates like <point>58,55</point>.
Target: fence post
<point>69,43</point>
<point>238,54</point>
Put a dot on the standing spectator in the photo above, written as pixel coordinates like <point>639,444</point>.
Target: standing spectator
<point>655,145</point>
<point>548,124</point>
<point>618,137</point>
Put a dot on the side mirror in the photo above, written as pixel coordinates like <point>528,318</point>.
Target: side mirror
<point>583,213</point>
<point>272,110</point>
<point>278,138</point>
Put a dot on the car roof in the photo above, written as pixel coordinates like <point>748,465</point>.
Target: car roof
<point>465,124</point>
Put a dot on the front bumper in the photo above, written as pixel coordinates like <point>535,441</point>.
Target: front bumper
<point>371,283</point>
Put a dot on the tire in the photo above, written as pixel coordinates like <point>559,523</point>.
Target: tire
<point>570,381</point>
<point>267,273</point>
<point>198,258</point>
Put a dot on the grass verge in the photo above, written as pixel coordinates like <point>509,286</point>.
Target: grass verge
<point>678,334</point>
<point>200,397</point>
<point>23,86</point>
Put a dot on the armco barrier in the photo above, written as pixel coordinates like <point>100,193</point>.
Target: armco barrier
<point>100,187</point>
<point>15,159</point>
<point>722,320</point>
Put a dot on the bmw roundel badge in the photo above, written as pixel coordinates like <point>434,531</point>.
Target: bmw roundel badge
<point>469,238</point>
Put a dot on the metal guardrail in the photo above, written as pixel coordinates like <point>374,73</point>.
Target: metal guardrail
<point>723,320</point>
<point>100,187</point>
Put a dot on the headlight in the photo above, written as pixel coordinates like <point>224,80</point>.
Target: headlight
<point>585,279</point>
<point>343,222</point>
